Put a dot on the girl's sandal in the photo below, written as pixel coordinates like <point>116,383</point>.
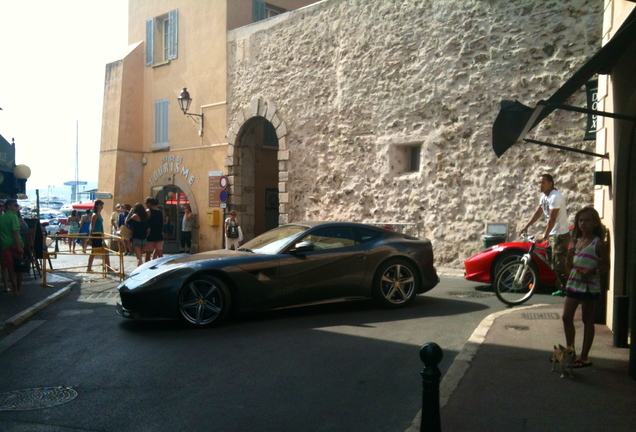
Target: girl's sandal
<point>581,364</point>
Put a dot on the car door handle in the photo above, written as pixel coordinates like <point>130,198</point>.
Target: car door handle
<point>361,256</point>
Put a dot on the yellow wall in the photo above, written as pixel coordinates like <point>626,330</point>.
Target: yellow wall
<point>130,165</point>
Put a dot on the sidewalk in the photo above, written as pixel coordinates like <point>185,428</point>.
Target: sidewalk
<point>501,381</point>
<point>16,310</point>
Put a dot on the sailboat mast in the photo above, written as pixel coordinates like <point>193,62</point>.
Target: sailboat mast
<point>76,151</point>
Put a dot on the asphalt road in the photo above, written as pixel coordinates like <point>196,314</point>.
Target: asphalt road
<point>339,367</point>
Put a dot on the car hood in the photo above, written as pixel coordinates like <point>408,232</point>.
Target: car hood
<point>172,262</point>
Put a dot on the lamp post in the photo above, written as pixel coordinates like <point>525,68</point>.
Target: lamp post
<point>21,173</point>
<point>184,103</point>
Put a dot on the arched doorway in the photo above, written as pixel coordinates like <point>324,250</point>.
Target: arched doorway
<point>171,197</point>
<point>256,198</point>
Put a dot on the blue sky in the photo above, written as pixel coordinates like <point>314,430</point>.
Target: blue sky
<point>52,79</point>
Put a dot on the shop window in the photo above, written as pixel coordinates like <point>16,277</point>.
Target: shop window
<point>262,10</point>
<point>161,38</point>
<point>162,117</point>
<point>405,158</point>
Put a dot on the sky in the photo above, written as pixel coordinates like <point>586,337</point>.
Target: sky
<point>53,56</point>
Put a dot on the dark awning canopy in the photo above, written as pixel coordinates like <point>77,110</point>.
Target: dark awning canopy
<point>515,120</point>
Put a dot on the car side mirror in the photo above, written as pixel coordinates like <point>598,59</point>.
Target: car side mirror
<point>303,246</point>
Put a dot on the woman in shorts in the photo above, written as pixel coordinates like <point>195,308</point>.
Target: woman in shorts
<point>137,219</point>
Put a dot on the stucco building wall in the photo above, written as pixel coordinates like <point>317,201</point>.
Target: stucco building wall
<point>355,83</point>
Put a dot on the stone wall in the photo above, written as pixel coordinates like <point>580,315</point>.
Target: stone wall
<point>357,82</point>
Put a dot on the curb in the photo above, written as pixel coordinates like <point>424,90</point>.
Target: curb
<point>18,319</point>
<point>460,365</point>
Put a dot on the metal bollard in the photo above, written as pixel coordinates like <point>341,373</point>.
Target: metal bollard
<point>430,354</point>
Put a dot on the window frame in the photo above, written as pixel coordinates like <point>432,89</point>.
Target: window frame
<point>161,124</point>
<point>162,43</point>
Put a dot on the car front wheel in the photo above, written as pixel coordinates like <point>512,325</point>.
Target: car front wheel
<point>204,302</point>
<point>395,284</point>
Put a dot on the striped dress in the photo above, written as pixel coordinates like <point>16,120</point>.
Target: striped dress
<point>584,259</point>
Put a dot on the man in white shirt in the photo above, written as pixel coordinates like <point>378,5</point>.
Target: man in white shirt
<point>552,205</point>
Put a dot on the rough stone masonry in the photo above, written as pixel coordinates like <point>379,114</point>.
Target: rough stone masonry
<point>359,83</point>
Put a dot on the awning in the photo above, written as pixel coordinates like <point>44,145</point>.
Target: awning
<point>515,120</point>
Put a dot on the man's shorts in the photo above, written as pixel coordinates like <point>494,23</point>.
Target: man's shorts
<point>152,245</point>
<point>8,257</point>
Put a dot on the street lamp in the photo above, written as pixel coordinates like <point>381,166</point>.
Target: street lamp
<point>184,103</point>
<point>21,173</point>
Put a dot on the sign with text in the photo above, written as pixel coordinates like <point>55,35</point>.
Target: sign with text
<point>217,185</point>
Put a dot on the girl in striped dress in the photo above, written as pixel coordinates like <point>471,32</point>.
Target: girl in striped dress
<point>587,259</point>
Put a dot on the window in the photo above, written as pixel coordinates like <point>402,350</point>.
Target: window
<point>161,38</point>
<point>162,117</point>
<point>405,158</point>
<point>367,235</point>
<point>331,238</point>
<point>262,10</point>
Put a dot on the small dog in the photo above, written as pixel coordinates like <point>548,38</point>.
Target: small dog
<point>565,357</point>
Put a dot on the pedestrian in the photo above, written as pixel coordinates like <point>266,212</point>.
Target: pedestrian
<point>137,219</point>
<point>166,229</point>
<point>553,206</point>
<point>154,246</point>
<point>588,258</point>
<point>187,224</point>
<point>233,232</point>
<point>85,227</point>
<point>73,230</point>
<point>114,219</point>
<point>11,241</point>
<point>126,209</point>
<point>96,235</point>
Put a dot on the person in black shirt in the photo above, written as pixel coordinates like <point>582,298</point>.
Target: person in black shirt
<point>155,236</point>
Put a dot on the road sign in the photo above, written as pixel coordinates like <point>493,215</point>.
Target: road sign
<point>103,195</point>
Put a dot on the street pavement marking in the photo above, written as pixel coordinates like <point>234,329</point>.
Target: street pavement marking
<point>19,333</point>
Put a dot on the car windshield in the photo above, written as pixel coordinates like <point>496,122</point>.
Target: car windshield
<point>273,241</point>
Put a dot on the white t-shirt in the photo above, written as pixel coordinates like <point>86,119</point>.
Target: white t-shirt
<point>555,201</point>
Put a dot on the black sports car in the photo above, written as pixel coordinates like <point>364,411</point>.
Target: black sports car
<point>296,264</point>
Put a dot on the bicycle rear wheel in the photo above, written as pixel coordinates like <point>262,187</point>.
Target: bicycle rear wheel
<point>515,283</point>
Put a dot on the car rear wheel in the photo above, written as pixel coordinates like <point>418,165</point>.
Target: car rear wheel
<point>395,284</point>
<point>204,301</point>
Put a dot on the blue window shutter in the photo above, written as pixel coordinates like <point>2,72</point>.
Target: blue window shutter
<point>150,42</point>
<point>259,10</point>
<point>162,110</point>
<point>173,26</point>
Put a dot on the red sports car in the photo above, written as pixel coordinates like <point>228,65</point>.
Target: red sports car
<point>483,266</point>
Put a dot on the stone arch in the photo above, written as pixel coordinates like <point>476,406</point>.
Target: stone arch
<point>239,191</point>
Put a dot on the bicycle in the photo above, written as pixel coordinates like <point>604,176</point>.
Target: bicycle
<point>517,281</point>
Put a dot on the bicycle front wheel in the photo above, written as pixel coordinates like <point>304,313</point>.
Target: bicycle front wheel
<point>515,283</point>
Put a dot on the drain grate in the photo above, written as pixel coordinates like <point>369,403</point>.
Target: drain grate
<point>470,294</point>
<point>517,327</point>
<point>100,296</point>
<point>36,398</point>
<point>540,316</point>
